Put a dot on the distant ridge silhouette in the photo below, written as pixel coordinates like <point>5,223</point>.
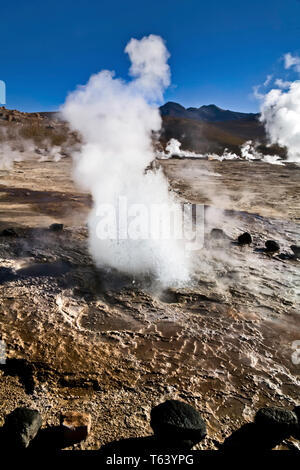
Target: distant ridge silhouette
<point>208,113</point>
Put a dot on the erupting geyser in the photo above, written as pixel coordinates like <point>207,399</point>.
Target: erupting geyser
<point>116,120</point>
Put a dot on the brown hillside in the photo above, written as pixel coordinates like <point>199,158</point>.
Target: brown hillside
<point>202,137</point>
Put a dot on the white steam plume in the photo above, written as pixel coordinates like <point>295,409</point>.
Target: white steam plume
<point>149,66</point>
<point>280,112</point>
<point>116,120</point>
<point>248,152</point>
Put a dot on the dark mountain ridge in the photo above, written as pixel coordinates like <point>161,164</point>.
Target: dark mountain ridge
<point>212,129</point>
<point>207,113</point>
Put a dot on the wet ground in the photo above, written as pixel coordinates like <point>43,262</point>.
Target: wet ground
<point>82,338</point>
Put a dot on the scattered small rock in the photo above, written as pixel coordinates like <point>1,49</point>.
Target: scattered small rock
<point>245,238</point>
<point>272,246</point>
<point>177,422</point>
<point>296,250</point>
<point>9,232</point>
<point>21,426</point>
<point>56,227</point>
<point>6,275</point>
<point>75,425</point>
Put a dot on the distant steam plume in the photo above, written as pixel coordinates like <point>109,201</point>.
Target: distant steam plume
<point>280,112</point>
<point>116,120</point>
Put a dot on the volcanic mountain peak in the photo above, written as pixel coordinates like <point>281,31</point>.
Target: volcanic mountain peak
<point>210,107</point>
<point>173,109</point>
<point>209,113</point>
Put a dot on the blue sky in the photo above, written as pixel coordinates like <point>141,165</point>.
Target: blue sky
<point>219,49</point>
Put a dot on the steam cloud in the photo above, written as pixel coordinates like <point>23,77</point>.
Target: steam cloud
<point>116,120</point>
<point>280,112</point>
<point>14,147</point>
<point>248,152</point>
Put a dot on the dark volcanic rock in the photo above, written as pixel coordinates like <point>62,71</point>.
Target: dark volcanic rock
<point>56,227</point>
<point>9,232</point>
<point>245,238</point>
<point>6,275</point>
<point>296,250</point>
<point>276,421</point>
<point>21,426</point>
<point>177,422</point>
<point>271,426</point>
<point>272,246</point>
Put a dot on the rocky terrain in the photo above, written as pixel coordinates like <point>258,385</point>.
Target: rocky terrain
<point>80,338</point>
